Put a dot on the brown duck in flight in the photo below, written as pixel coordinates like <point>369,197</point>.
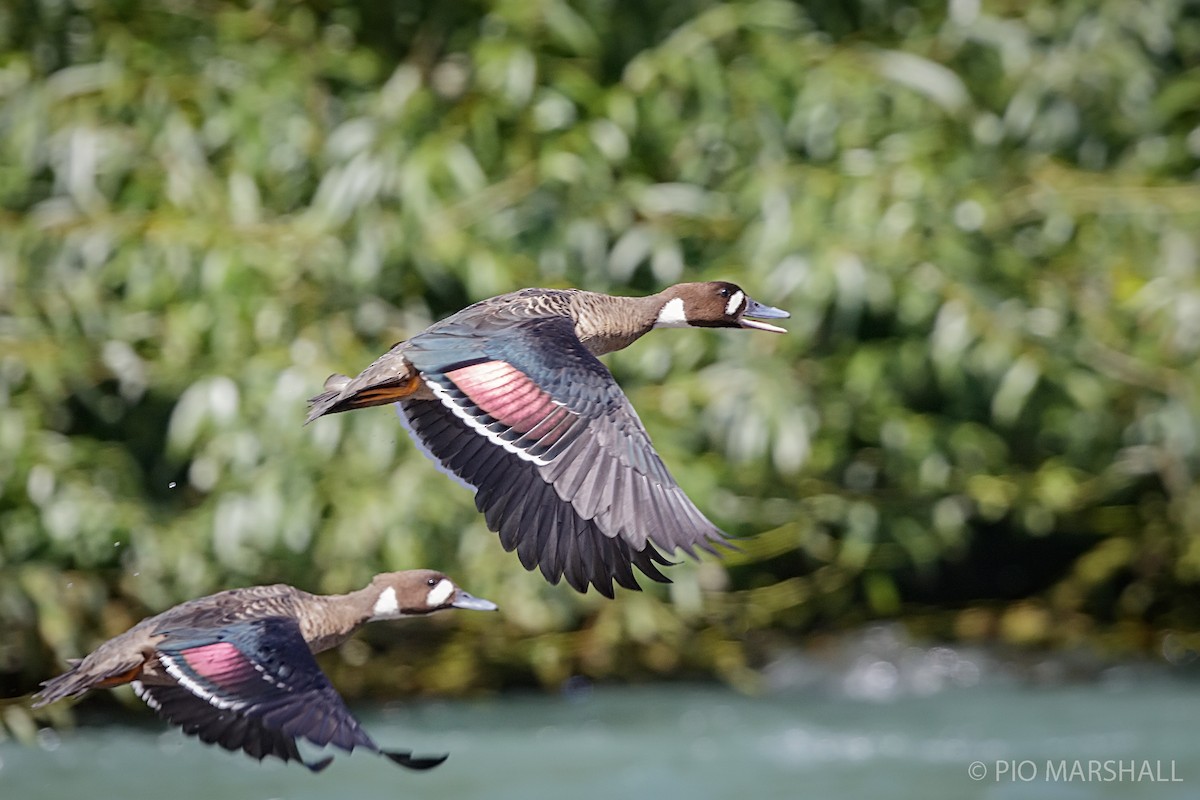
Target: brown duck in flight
<point>508,397</point>
<point>236,668</point>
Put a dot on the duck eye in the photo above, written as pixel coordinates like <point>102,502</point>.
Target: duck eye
<point>724,291</point>
<point>431,582</point>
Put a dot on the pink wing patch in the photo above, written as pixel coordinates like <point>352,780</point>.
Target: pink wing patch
<point>511,397</point>
<point>220,663</point>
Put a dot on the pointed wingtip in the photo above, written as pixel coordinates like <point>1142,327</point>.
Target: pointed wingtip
<point>604,587</point>
<point>725,543</point>
<point>316,766</point>
<point>405,758</point>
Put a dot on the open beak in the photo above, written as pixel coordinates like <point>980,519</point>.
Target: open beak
<point>758,311</point>
<point>472,603</point>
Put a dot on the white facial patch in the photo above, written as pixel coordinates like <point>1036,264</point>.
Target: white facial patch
<point>439,594</point>
<point>387,605</point>
<point>672,315</point>
<point>734,303</point>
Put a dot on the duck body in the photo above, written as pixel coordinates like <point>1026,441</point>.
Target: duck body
<point>236,668</point>
<point>509,398</point>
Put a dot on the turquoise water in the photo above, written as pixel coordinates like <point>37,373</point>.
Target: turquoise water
<point>687,742</point>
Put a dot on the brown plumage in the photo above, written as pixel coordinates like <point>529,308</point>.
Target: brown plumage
<point>509,398</point>
<point>236,668</point>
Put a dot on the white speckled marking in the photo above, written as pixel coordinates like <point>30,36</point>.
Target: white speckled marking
<point>495,438</point>
<point>140,690</point>
<point>672,315</point>
<point>387,605</point>
<point>439,594</point>
<point>198,689</point>
<point>734,303</point>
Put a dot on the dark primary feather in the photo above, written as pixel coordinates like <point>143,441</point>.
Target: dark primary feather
<point>225,728</point>
<point>273,674</point>
<point>527,512</point>
<point>405,758</point>
<point>255,686</point>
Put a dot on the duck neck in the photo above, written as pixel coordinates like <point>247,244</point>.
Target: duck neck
<point>328,620</point>
<point>605,323</point>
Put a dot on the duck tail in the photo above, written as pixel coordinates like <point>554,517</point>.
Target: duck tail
<point>68,684</point>
<point>337,396</point>
<point>80,678</point>
<point>326,401</point>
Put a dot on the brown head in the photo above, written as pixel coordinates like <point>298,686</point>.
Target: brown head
<point>715,304</point>
<point>420,591</point>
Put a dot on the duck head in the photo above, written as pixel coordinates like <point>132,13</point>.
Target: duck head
<point>715,304</point>
<point>420,591</point>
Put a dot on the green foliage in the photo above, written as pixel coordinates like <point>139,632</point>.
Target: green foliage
<point>983,217</point>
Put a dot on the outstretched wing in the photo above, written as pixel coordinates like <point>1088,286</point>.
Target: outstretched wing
<point>563,468</point>
<point>225,727</point>
<point>252,685</point>
<point>525,510</point>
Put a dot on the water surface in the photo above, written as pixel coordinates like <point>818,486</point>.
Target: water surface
<point>693,742</point>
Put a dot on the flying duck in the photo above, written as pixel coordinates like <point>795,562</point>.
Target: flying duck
<point>236,668</point>
<point>509,398</point>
